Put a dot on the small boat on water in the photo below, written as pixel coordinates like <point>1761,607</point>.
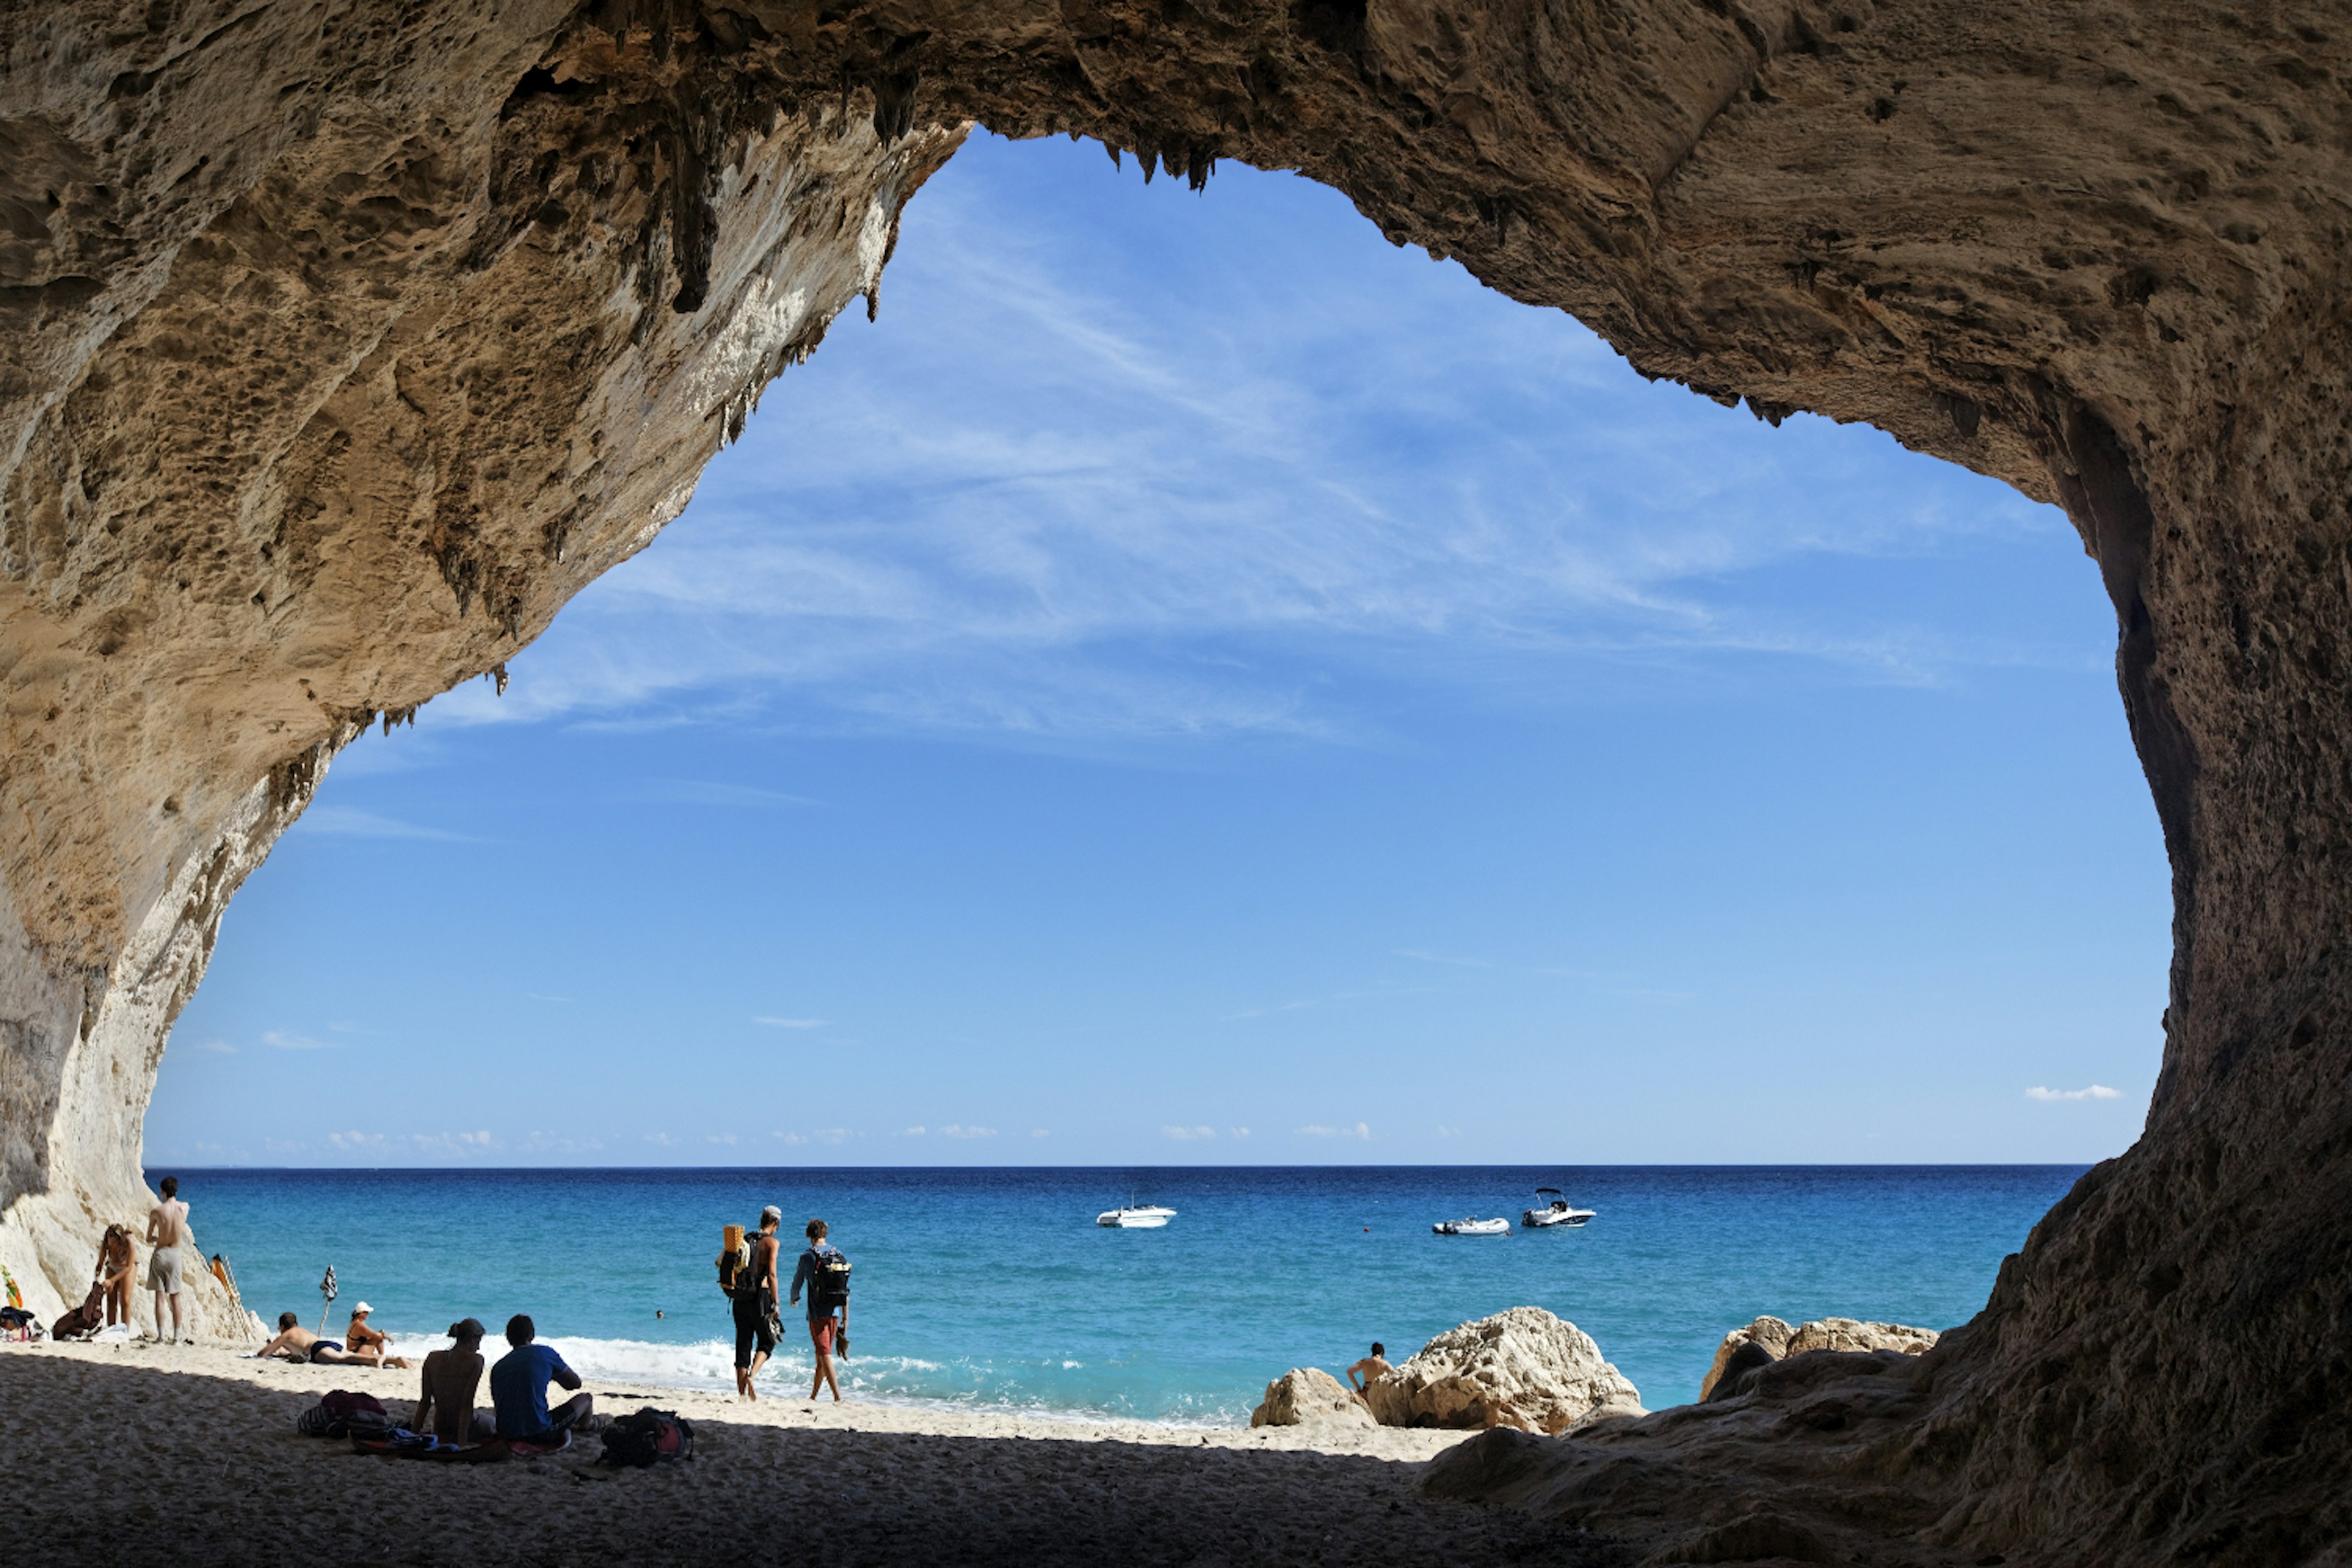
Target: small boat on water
<point>1472,1227</point>
<point>1559,1211</point>
<point>1147,1217</point>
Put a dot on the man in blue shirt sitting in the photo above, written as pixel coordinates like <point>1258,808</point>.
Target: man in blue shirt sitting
<point>519,1388</point>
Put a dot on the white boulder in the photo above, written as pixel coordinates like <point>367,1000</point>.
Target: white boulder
<point>1524,1368</point>
<point>1307,1396</point>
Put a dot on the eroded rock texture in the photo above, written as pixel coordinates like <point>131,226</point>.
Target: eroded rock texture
<point>339,344</point>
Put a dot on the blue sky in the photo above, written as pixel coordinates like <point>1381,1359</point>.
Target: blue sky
<point>1195,682</point>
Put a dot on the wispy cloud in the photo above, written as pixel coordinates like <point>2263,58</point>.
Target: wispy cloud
<point>356,1140</point>
<point>460,1145</point>
<point>912,1133</point>
<point>1171,521</point>
<point>1039,1132</point>
<point>351,822</point>
<point>662,1139</point>
<point>790,1023</point>
<point>218,1048</point>
<point>819,1135</point>
<point>699,791</point>
<point>286,1040</point>
<point>2095,1091</point>
<point>1317,1130</point>
<point>1188,1134</point>
<point>1452,963</point>
<point>952,1131</point>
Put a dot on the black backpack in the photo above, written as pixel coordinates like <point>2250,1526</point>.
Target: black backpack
<point>828,1286</point>
<point>642,1441</point>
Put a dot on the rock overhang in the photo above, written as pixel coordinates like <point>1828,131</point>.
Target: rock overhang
<point>342,347</point>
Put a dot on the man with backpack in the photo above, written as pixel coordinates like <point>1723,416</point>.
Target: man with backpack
<point>755,1292</point>
<point>825,1272</point>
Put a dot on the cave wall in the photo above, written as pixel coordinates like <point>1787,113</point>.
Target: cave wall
<point>338,345</point>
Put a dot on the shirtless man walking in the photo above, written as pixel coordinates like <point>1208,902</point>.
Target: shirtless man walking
<point>167,1226</point>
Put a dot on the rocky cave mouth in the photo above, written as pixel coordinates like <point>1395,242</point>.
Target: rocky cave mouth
<point>341,350</point>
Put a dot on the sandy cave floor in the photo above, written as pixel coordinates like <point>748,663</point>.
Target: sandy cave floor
<point>171,1454</point>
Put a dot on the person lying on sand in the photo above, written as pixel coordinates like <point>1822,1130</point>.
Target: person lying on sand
<point>451,1379</point>
<point>295,1343</point>
<point>518,1387</point>
<point>1370,1370</point>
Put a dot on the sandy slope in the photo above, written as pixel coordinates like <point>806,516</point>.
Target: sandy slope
<point>188,1455</point>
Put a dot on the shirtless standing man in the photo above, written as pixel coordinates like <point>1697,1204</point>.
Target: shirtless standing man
<point>452,1378</point>
<point>167,1226</point>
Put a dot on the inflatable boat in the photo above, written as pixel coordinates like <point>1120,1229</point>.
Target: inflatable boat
<point>1472,1227</point>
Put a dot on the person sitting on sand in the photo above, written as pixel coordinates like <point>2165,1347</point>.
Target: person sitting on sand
<point>451,1379</point>
<point>295,1343</point>
<point>361,1337</point>
<point>519,1388</point>
<point>1370,1370</point>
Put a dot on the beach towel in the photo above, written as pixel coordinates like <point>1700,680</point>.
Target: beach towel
<point>399,1443</point>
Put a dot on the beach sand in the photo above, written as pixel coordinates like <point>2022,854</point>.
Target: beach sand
<point>170,1454</point>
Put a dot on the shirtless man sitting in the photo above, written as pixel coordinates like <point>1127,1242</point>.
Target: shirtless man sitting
<point>295,1343</point>
<point>1370,1370</point>
<point>452,1378</point>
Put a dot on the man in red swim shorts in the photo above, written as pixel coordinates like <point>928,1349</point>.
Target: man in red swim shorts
<point>826,1275</point>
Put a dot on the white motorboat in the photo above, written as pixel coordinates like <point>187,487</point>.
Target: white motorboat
<point>1559,1211</point>
<point>1147,1217</point>
<point>1472,1227</point>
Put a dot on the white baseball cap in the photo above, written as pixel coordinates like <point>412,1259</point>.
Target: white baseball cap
<point>361,1310</point>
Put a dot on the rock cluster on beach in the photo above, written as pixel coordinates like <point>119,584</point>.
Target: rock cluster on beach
<point>1767,1340</point>
<point>1523,1368</point>
<point>1309,1396</point>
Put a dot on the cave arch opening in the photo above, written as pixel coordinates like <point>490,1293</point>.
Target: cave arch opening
<point>1162,566</point>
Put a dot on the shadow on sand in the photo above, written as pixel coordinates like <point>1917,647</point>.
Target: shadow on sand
<point>110,1464</point>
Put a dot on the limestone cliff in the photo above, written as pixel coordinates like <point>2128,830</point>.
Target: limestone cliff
<point>338,345</point>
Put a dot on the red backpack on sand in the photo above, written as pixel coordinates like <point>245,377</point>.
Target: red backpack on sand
<point>645,1440</point>
<point>338,1414</point>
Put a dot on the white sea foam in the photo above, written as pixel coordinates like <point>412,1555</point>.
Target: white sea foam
<point>708,1366</point>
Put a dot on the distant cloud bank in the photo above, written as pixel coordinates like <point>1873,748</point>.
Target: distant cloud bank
<point>2095,1091</point>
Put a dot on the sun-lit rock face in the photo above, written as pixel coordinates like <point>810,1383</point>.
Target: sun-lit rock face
<point>339,345</point>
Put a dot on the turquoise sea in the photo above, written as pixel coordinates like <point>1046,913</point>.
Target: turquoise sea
<point>995,1287</point>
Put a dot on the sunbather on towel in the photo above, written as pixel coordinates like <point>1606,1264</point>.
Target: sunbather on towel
<point>296,1344</point>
